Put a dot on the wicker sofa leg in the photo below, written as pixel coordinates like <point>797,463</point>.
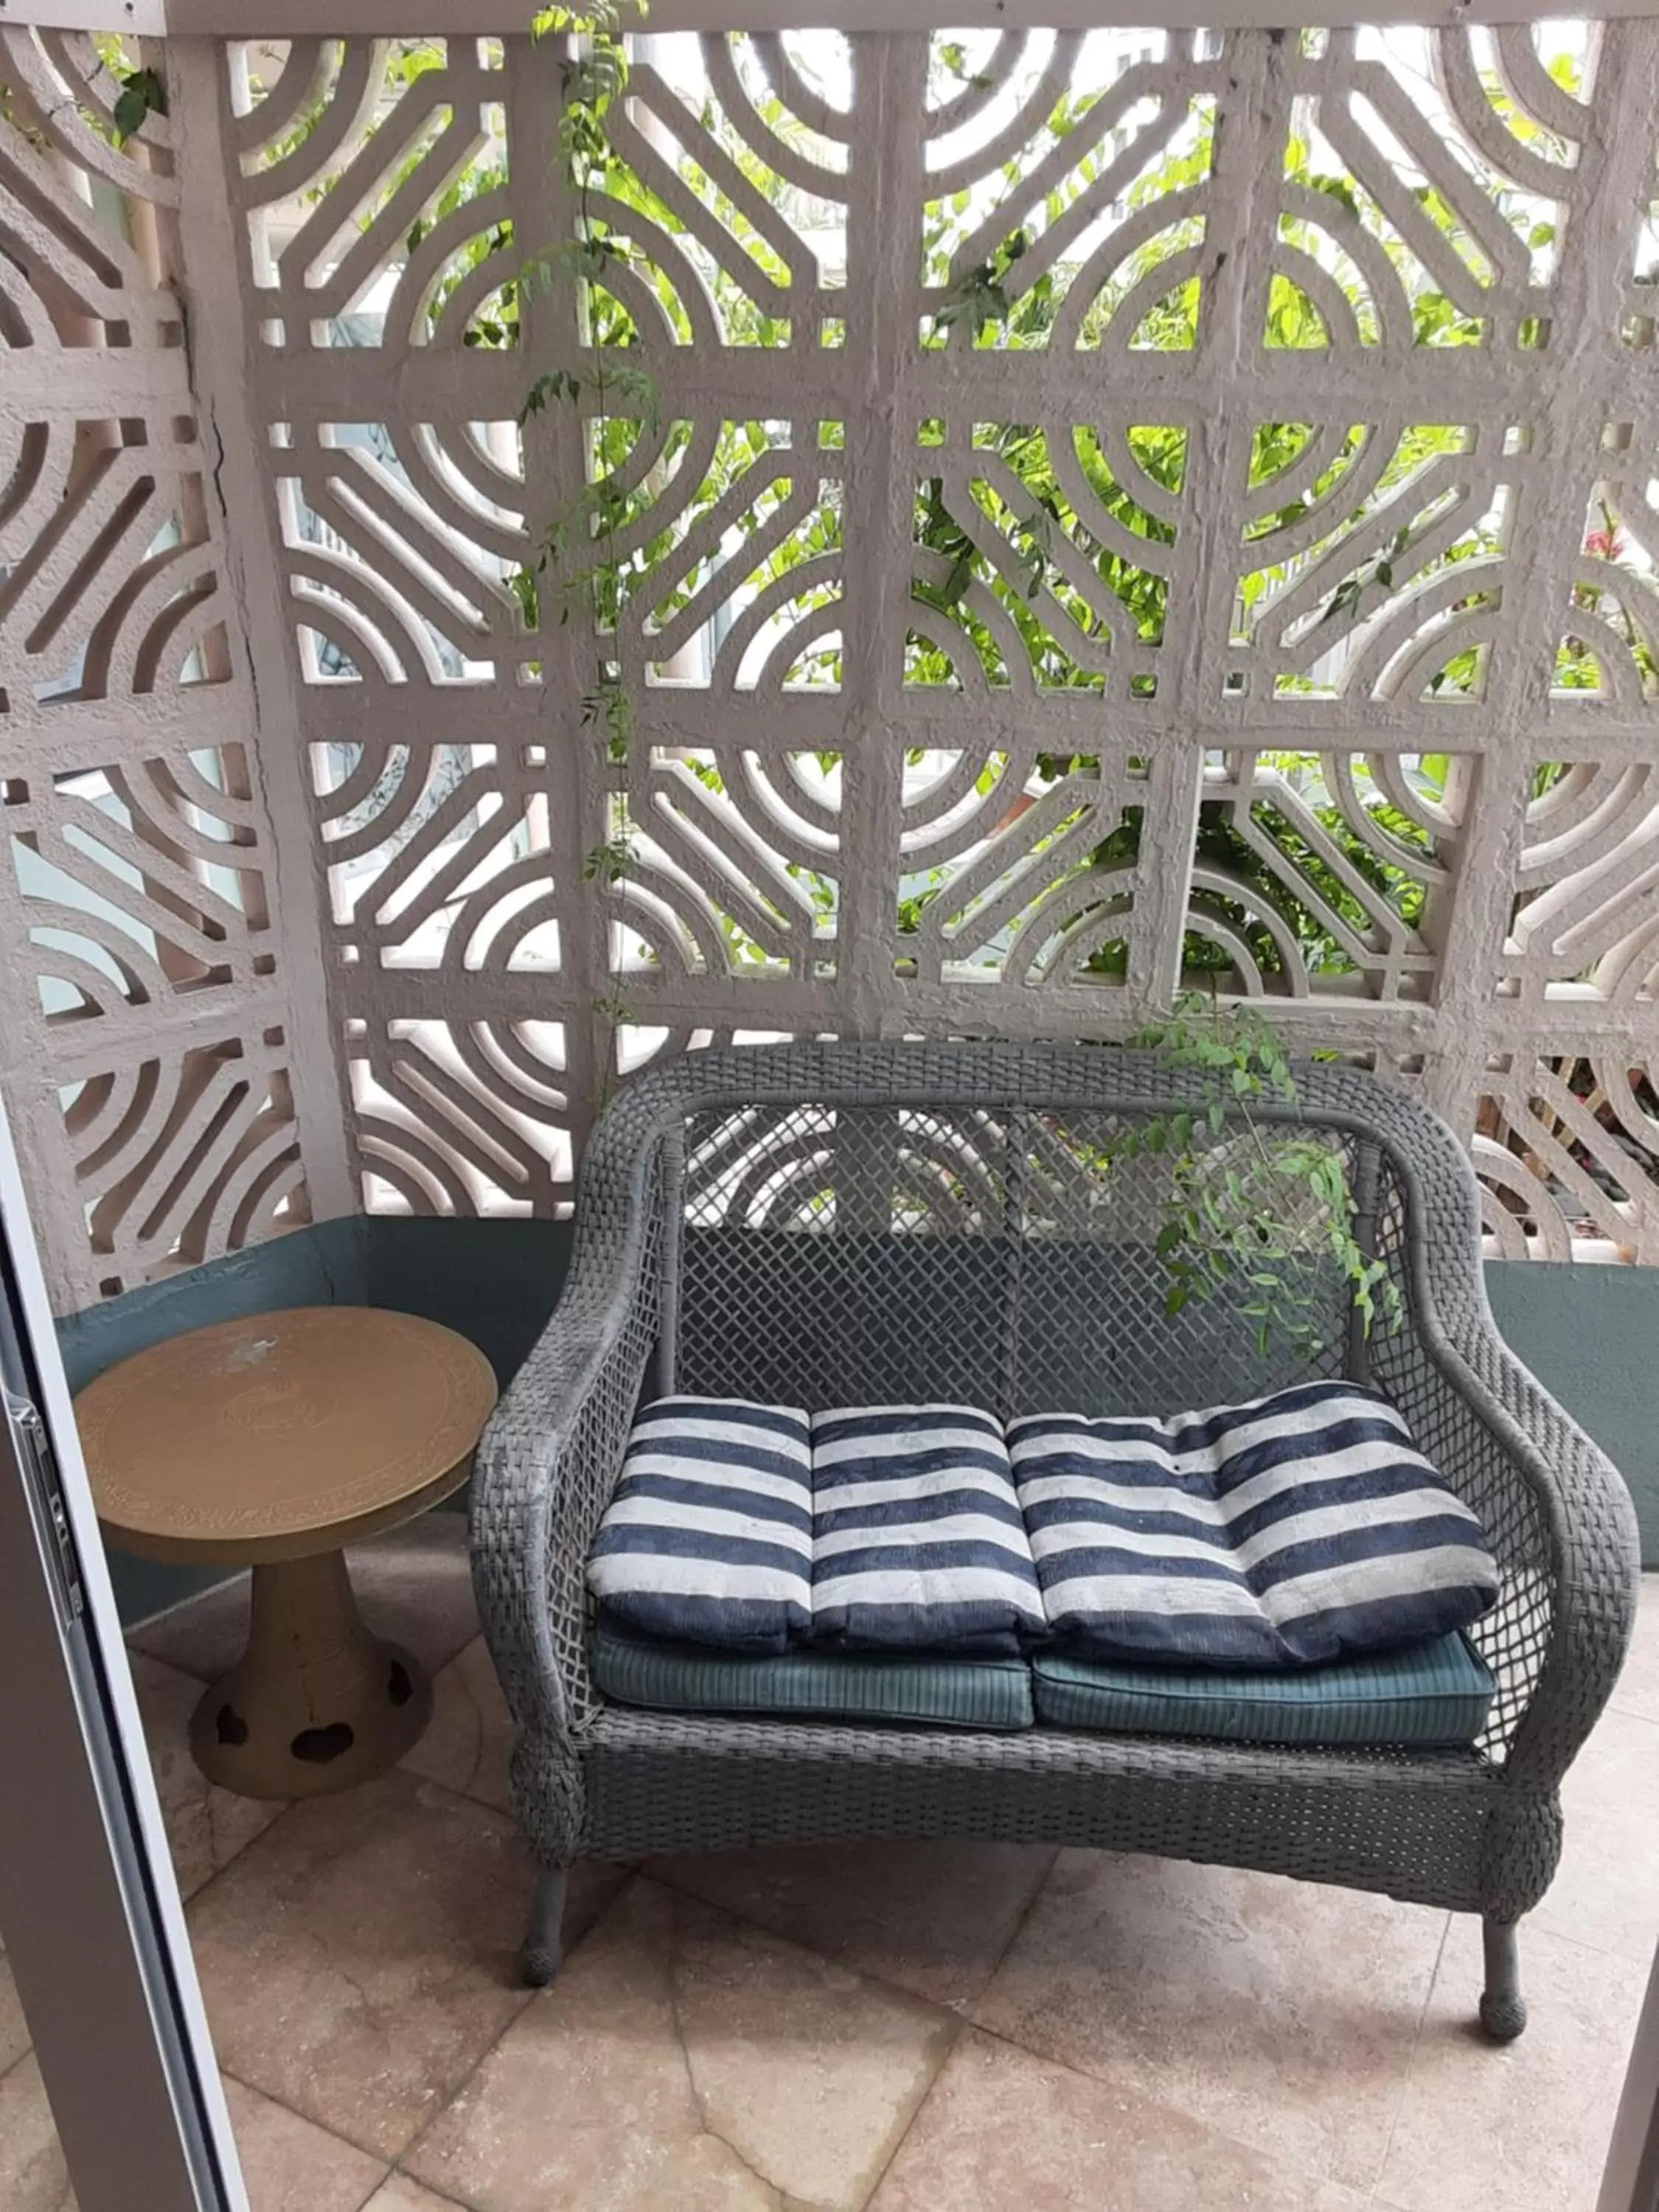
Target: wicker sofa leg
<point>543,1954</point>
<point>1503,2008</point>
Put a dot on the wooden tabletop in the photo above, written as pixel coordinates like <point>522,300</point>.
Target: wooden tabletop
<point>283,1434</point>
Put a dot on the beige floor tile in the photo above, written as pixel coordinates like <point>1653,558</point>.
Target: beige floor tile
<point>1522,2127</point>
<point>1605,1891</point>
<point>206,1826</point>
<point>1003,2132</point>
<point>14,2028</point>
<point>595,1885</point>
<point>414,1584</point>
<point>33,2174</point>
<point>1280,2013</point>
<point>1636,1690</point>
<point>358,1959</point>
<point>400,2194</point>
<point>931,1918</point>
<point>469,1738</point>
<point>686,2062</point>
<point>289,2166</point>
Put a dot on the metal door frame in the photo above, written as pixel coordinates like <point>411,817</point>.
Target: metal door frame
<point>90,1909</point>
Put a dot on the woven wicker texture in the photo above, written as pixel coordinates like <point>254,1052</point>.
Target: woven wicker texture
<point>855,1223</point>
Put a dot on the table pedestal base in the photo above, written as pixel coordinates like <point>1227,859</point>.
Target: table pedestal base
<point>316,1702</point>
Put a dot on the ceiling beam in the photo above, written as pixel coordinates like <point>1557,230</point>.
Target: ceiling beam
<point>419,18</point>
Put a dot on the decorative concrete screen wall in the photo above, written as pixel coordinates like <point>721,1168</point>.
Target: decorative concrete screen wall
<point>150,963</point>
<point>1076,510</point>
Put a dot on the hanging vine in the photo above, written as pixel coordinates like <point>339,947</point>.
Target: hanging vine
<point>1266,1216</point>
<point>579,555</point>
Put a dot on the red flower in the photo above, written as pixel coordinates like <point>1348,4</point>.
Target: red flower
<point>1607,543</point>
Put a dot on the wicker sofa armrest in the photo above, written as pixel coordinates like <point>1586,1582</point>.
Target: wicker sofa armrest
<point>1591,1532</point>
<point>550,1458</point>
<point>1590,1552</point>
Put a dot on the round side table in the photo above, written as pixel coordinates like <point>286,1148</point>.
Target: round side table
<point>272,1442</point>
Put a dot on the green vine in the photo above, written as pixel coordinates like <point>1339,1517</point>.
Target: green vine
<point>143,93</point>
<point>140,92</point>
<point>580,551</point>
<point>1267,1209</point>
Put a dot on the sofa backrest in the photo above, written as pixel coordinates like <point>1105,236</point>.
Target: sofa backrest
<point>990,1254</point>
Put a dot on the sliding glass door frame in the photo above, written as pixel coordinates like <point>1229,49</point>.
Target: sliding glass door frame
<point>89,1909</point>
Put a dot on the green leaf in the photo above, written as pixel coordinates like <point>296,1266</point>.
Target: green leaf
<point>131,114</point>
<point>143,95</point>
<point>607,863</point>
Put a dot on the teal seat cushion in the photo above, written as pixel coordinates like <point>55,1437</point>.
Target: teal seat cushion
<point>1431,1693</point>
<point>937,1690</point>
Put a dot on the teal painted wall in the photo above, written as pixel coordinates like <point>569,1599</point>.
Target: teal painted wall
<point>494,1281</point>
<point>322,1265</point>
<point>1589,1333</point>
<point>1591,1337</point>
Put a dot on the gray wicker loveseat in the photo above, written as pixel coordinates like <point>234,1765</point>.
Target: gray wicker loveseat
<point>846,1224</point>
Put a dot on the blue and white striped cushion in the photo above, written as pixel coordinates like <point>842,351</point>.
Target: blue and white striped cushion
<point>1290,1530</point>
<point>917,1536</point>
<point>708,1537</point>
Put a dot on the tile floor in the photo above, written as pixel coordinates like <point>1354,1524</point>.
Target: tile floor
<point>951,2028</point>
